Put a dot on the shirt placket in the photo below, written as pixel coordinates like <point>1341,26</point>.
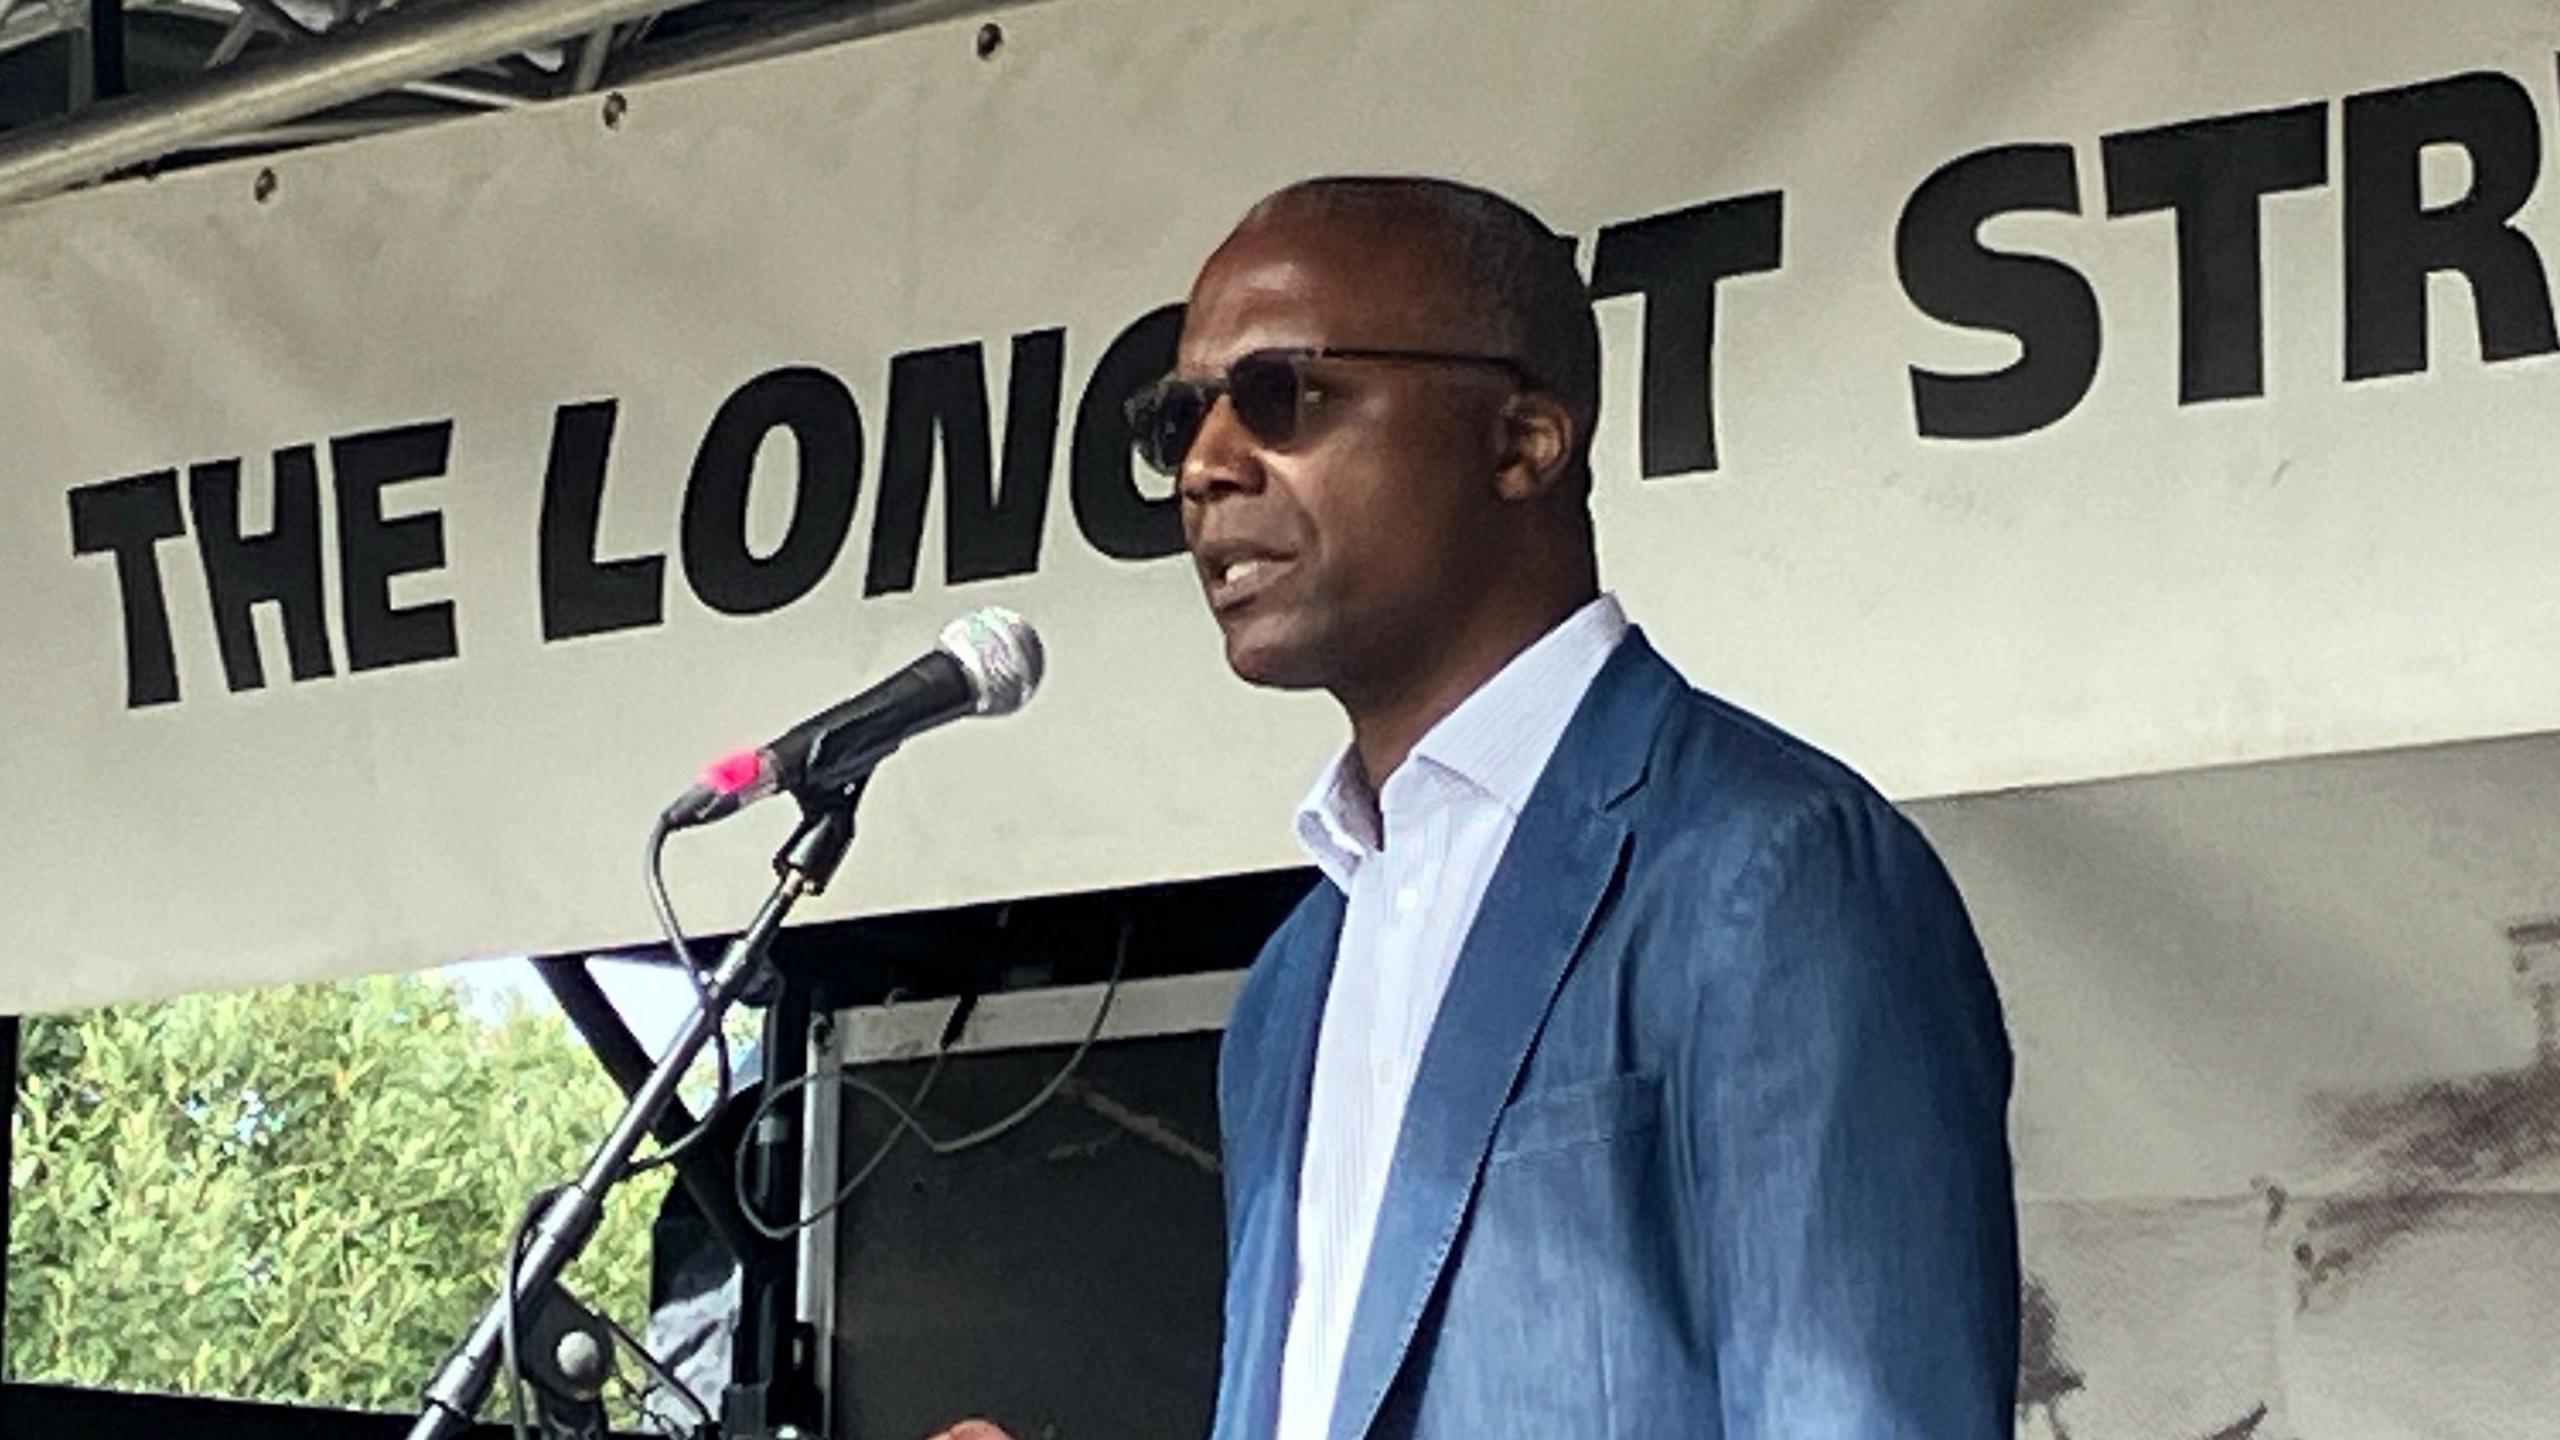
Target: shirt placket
<point>1397,1031</point>
<point>1339,1170</point>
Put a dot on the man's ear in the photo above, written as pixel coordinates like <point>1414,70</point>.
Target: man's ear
<point>1537,446</point>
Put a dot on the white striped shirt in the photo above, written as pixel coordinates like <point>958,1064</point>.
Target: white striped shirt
<point>1413,861</point>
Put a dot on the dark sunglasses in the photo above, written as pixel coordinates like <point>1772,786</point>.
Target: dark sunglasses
<point>1268,389</point>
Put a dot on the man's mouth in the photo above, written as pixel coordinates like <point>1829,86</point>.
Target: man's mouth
<point>1235,579</point>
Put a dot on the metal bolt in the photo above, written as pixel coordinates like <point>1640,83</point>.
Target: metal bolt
<point>264,187</point>
<point>581,1360</point>
<point>615,107</point>
<point>990,40</point>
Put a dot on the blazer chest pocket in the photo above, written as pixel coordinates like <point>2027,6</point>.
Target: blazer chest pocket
<point>1566,1117</point>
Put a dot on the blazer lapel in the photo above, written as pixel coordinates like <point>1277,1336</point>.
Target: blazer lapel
<point>1547,891</point>
<point>1269,1146</point>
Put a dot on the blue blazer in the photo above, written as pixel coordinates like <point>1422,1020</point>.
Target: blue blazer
<point>1709,1139</point>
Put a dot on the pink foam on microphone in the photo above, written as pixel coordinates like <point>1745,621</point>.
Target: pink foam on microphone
<point>733,772</point>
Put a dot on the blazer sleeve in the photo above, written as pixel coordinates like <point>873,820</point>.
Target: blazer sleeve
<point>1841,1123</point>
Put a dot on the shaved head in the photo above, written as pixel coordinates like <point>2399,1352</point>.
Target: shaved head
<point>1507,280</point>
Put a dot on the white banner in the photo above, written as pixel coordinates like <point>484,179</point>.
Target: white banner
<point>1999,393</point>
<point>2287,1119</point>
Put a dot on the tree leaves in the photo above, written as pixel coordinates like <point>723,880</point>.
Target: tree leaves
<point>292,1194</point>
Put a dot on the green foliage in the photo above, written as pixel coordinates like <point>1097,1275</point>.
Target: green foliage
<point>293,1194</point>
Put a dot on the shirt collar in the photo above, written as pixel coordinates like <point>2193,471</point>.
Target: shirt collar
<point>1498,740</point>
<point>1338,823</point>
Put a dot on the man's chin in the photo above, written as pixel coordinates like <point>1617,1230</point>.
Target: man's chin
<point>1272,662</point>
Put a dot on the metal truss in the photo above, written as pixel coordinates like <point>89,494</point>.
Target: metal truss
<point>209,78</point>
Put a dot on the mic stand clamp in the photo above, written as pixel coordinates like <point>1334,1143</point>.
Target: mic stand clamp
<point>803,866</point>
<point>568,1356</point>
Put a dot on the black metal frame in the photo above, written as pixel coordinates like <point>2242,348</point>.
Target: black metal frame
<point>106,49</point>
<point>75,1411</point>
<point>8,1139</point>
<point>773,1358</point>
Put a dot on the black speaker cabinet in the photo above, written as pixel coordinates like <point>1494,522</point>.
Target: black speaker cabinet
<point>1062,1279</point>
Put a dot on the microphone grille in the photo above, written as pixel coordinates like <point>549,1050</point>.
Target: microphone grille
<point>1000,653</point>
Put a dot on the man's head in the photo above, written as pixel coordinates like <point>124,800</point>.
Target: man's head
<point>1361,519</point>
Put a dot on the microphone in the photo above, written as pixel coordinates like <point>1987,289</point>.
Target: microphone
<point>988,663</point>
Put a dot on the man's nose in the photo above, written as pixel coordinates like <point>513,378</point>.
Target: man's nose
<point>1224,457</point>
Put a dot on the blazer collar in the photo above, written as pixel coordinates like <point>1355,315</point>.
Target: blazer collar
<point>1549,889</point>
<point>1262,1167</point>
<point>1545,893</point>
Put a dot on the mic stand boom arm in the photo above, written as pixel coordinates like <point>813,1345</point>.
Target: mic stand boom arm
<point>803,867</point>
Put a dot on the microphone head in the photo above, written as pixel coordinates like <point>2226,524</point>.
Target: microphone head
<point>1000,653</point>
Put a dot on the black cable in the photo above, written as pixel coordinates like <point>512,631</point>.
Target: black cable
<point>514,1302</point>
<point>658,1369</point>
<point>667,924</point>
<point>924,1087</point>
<point>905,1113</point>
<point>907,1121</point>
<point>512,1299</point>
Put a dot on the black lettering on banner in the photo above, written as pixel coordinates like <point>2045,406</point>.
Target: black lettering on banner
<point>128,519</point>
<point>1675,260</point>
<point>1954,278</point>
<point>581,594</point>
<point>2393,244</point>
<point>2212,173</point>
<point>827,427</point>
<point>371,549</point>
<point>281,567</point>
<point>1116,517</point>
<point>991,524</point>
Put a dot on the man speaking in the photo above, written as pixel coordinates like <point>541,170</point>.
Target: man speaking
<point>1636,1073</point>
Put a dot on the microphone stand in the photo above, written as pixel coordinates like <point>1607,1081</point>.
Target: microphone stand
<point>803,866</point>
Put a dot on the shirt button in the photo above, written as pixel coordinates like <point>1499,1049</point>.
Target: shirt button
<point>1406,899</point>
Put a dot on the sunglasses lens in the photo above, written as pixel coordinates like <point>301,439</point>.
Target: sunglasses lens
<point>1164,419</point>
<point>1265,391</point>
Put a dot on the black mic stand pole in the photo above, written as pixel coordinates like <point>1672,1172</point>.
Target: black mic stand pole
<point>804,865</point>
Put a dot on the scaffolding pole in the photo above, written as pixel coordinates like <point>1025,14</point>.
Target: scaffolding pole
<point>394,49</point>
<point>807,30</point>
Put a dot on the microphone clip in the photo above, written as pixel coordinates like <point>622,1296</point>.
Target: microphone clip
<point>808,860</point>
